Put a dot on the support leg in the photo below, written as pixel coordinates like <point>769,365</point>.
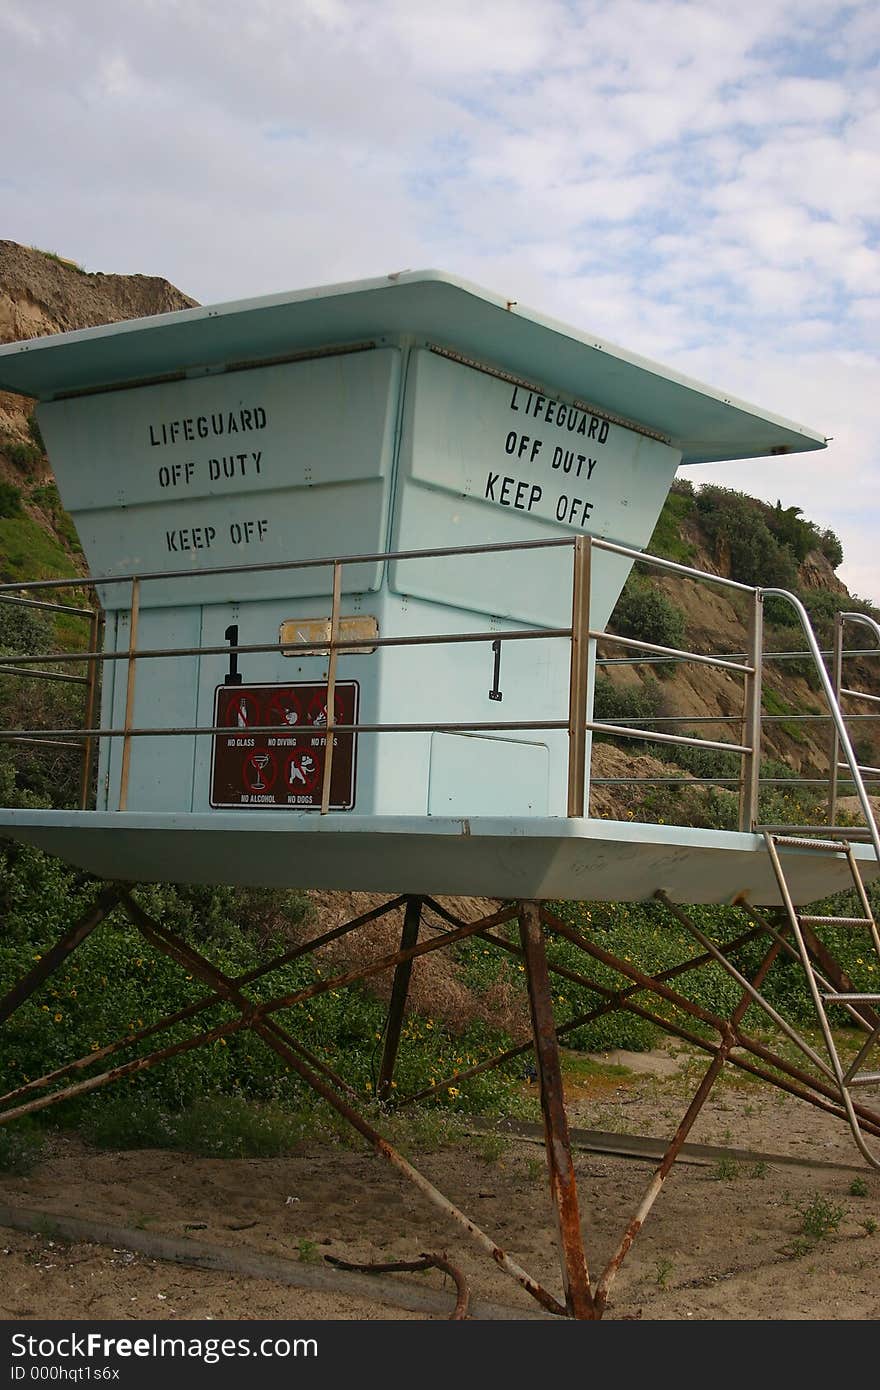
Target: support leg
<point>728,1041</point>
<point>563,1188</point>
<point>399,991</point>
<point>104,903</point>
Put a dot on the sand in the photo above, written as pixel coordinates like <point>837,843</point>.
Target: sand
<point>725,1240</point>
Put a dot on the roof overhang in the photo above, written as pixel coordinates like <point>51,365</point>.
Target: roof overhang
<point>705,424</point>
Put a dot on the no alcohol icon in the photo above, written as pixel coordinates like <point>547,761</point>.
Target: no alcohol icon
<point>258,771</point>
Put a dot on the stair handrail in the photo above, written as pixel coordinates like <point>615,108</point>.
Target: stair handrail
<point>862,618</point>
<point>838,654</point>
<point>833,707</point>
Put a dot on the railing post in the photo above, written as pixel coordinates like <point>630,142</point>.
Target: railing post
<point>91,698</point>
<point>751,723</point>
<point>837,682</point>
<point>331,687</point>
<point>577,686</point>
<point>129,692</point>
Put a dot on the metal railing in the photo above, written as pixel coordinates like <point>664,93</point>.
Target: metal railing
<point>579,633</point>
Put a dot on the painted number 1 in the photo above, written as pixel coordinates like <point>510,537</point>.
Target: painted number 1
<point>233,675</point>
<point>495,693</point>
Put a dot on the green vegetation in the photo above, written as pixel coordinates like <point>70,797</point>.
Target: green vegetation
<point>667,540</point>
<point>10,500</point>
<point>764,544</point>
<point>29,551</point>
<point>819,1217</point>
<point>725,1170</point>
<point>25,456</point>
<point>219,1127</point>
<point>36,434</point>
<point>21,1146</point>
<point>645,613</point>
<point>613,703</point>
<point>62,260</point>
<point>30,772</point>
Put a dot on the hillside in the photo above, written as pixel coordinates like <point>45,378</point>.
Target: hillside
<point>40,293</point>
<point>729,534</point>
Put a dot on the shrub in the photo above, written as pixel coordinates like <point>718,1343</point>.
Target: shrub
<point>219,1127</point>
<point>644,612</point>
<point>830,546</point>
<point>24,456</point>
<point>701,762</point>
<point>10,499</point>
<point>737,525</point>
<point>823,607</point>
<point>613,703</point>
<point>21,1146</point>
<point>666,539</point>
<point>790,529</point>
<point>52,774</point>
<point>35,432</point>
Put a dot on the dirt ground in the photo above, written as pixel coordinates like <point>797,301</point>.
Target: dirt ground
<point>726,1240</point>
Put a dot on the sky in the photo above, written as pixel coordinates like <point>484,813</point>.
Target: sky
<point>697,182</point>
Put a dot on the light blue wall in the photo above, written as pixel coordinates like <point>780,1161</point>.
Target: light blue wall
<point>350,464</point>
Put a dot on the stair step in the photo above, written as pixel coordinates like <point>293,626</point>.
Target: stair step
<point>851,998</point>
<point>864,1078</point>
<point>836,921</point>
<point>803,842</point>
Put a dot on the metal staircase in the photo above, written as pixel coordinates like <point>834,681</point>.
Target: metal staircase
<point>828,984</point>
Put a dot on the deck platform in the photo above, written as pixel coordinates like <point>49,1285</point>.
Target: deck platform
<point>541,858</point>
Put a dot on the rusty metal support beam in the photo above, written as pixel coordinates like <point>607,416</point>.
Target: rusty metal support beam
<point>563,1187</point>
<point>104,903</point>
<point>200,1005</point>
<point>291,1052</point>
<point>188,957</point>
<point>386,1151</point>
<point>664,1168</point>
<point>260,1012</point>
<point>399,991</point>
<point>870,1118</point>
<point>615,1001</point>
<point>802,1083</point>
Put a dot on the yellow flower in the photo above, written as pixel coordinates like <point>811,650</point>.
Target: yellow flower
<point>58,1018</point>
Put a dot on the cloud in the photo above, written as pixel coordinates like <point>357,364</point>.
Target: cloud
<point>694,180</point>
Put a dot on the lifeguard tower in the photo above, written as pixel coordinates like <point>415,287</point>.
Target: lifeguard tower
<point>353,549</point>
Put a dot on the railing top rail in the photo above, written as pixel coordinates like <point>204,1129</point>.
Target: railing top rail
<point>66,608</point>
<point>326,561</point>
<point>862,618</point>
<point>323,562</point>
<point>672,566</point>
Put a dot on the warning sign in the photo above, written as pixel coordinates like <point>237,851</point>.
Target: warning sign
<point>284,768</point>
